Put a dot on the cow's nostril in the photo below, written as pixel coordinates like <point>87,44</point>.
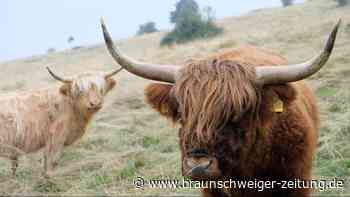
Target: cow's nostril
<point>206,166</point>
<point>190,164</point>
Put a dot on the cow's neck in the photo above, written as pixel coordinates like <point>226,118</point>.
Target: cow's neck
<point>82,119</point>
<point>78,124</point>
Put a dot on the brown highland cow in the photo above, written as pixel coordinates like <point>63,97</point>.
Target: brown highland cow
<point>50,118</point>
<point>245,115</point>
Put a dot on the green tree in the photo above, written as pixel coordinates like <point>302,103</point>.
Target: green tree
<point>190,23</point>
<point>286,3</point>
<point>70,39</point>
<point>146,28</point>
<point>342,2</point>
<point>208,14</point>
<point>184,9</point>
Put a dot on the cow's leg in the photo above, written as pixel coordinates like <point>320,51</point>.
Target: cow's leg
<point>51,155</point>
<point>47,166</point>
<point>14,165</point>
<point>54,146</point>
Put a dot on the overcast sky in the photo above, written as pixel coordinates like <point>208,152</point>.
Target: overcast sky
<point>30,27</point>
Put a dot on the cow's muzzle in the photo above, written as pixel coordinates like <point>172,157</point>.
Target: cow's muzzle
<point>203,168</point>
<point>198,170</point>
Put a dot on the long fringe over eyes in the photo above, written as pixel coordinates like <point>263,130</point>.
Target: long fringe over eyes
<point>212,92</point>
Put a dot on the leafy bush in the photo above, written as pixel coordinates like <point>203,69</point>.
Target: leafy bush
<point>146,28</point>
<point>286,3</point>
<point>184,8</point>
<point>190,23</point>
<point>342,2</point>
<point>191,30</point>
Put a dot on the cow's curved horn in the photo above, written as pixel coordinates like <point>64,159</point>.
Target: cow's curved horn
<point>111,74</point>
<point>296,72</point>
<point>57,77</point>
<point>165,73</point>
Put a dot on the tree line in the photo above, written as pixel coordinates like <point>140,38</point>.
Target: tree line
<point>190,22</point>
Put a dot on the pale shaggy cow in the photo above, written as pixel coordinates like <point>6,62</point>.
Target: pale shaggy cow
<point>50,118</point>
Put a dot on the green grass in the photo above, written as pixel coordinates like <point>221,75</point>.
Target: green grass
<point>150,141</point>
<point>326,91</point>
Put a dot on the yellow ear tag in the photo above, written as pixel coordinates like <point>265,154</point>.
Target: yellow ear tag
<point>277,105</point>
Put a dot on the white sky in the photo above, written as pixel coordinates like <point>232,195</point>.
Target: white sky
<point>30,27</point>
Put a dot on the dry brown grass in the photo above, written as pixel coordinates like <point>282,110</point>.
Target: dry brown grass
<point>127,139</point>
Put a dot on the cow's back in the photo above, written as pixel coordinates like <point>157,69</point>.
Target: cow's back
<point>24,119</point>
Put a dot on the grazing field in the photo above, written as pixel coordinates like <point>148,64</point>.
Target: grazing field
<point>127,139</point>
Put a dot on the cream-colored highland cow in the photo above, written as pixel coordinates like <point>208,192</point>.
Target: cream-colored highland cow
<point>50,118</point>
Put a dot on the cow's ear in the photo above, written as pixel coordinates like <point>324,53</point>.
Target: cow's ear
<point>286,92</point>
<point>160,97</point>
<point>65,89</point>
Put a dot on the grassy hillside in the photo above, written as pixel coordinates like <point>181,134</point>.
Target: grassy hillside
<point>127,139</point>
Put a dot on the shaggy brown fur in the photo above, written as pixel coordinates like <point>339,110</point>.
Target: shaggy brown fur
<point>225,113</point>
<point>49,118</point>
<point>202,102</point>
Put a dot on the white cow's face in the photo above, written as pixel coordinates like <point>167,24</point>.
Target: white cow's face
<point>87,91</point>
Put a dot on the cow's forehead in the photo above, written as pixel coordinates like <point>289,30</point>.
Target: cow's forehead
<point>85,81</point>
<point>89,75</point>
